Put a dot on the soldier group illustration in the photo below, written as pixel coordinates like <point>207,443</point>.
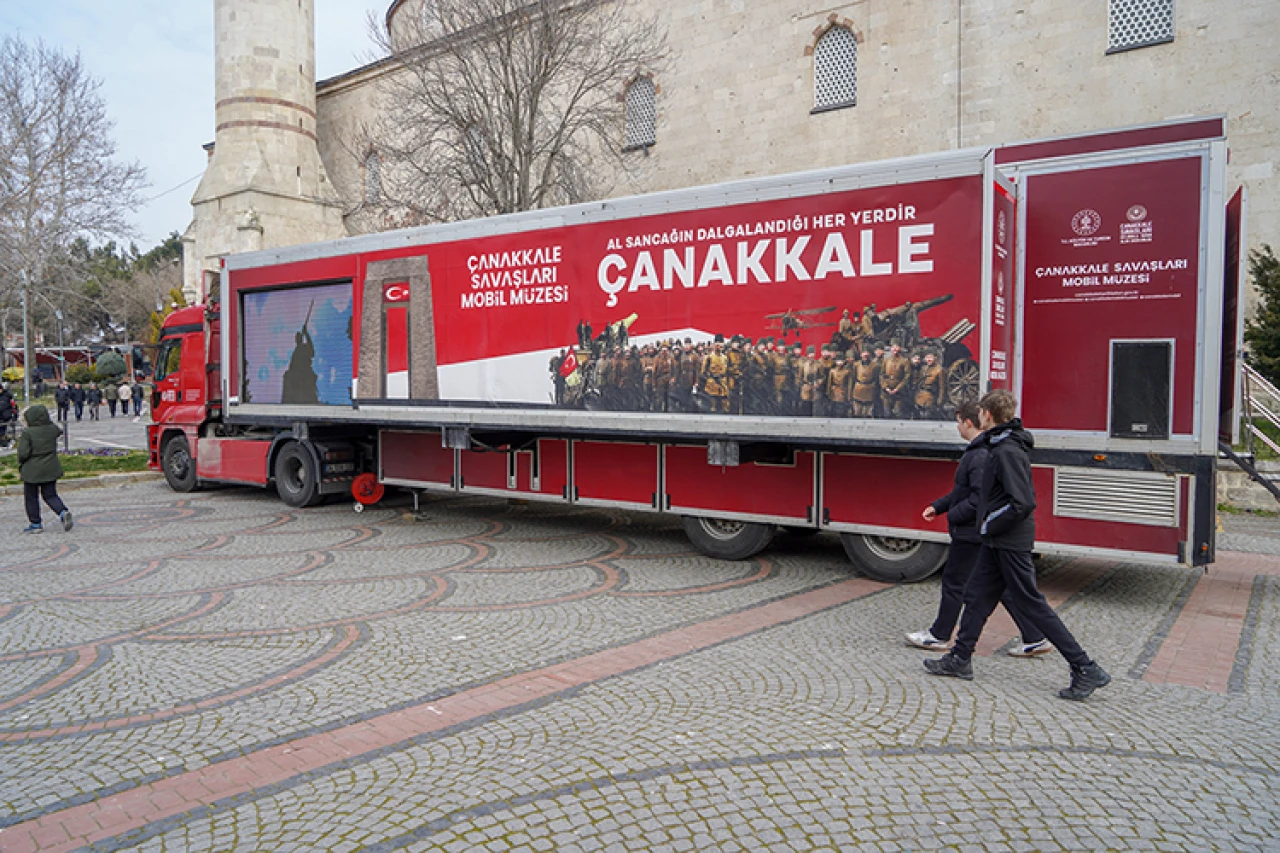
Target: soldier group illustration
<point>875,365</point>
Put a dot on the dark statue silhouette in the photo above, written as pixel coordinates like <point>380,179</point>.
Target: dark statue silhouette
<point>299,382</point>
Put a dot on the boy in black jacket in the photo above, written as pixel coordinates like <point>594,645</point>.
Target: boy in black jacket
<point>1008,529</point>
<point>961,510</point>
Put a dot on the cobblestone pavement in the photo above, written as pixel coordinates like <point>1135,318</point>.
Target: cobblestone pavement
<point>219,672</point>
<point>1249,531</point>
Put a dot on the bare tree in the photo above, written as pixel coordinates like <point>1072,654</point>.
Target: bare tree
<point>59,178</point>
<point>502,105</point>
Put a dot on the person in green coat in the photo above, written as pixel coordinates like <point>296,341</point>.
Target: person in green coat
<point>40,467</point>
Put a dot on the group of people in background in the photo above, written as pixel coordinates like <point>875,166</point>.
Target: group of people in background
<point>76,396</point>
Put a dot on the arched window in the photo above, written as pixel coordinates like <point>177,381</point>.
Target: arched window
<point>835,69</point>
<point>642,114</point>
<point>373,177</point>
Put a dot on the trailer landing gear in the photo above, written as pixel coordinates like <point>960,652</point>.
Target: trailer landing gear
<point>725,539</point>
<point>893,560</point>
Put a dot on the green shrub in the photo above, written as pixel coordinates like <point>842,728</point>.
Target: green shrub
<point>1262,332</point>
<point>110,366</point>
<point>81,373</point>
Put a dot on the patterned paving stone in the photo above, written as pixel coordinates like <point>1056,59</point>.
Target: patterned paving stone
<point>218,672</point>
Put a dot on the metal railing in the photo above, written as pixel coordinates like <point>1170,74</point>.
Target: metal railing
<point>1260,402</point>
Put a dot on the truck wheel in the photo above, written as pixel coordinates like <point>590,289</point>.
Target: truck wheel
<point>893,560</point>
<point>727,540</point>
<point>179,467</point>
<point>297,480</point>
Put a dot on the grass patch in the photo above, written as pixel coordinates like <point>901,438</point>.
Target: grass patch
<point>1272,433</point>
<point>1227,509</point>
<point>82,463</point>
<point>1261,450</point>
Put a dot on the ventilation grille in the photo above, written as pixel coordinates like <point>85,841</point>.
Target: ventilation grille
<point>1138,23</point>
<point>642,114</point>
<point>835,69</point>
<point>1129,496</point>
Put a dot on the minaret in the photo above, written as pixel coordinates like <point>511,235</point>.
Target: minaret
<point>265,185</point>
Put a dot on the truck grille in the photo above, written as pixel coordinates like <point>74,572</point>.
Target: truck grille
<point>1129,496</point>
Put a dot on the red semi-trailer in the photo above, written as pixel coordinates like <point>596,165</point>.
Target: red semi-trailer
<point>642,352</point>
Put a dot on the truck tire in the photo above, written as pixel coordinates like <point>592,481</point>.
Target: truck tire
<point>893,560</point>
<point>297,480</point>
<point>179,467</point>
<point>727,540</point>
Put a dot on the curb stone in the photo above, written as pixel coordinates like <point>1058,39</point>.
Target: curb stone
<point>67,485</point>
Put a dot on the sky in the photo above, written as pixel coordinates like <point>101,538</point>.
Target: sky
<point>154,59</point>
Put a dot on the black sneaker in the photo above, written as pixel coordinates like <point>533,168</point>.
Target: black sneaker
<point>1084,681</point>
<point>950,665</point>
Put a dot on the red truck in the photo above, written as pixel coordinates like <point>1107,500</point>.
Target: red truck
<point>776,352</point>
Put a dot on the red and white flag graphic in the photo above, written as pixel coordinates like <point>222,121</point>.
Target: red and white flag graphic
<point>569,365</point>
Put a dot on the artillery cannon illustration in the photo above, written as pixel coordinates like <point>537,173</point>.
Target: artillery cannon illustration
<point>614,334</point>
<point>901,325</point>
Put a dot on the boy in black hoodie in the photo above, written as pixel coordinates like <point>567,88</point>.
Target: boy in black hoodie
<point>1007,525</point>
<point>960,507</point>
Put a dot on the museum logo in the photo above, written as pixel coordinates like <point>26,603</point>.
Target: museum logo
<point>1138,229</point>
<point>1085,225</point>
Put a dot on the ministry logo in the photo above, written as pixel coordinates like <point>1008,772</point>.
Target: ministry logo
<point>1086,223</point>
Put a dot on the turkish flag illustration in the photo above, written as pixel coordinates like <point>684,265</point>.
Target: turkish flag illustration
<point>570,364</point>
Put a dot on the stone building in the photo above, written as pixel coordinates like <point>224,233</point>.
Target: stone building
<point>265,184</point>
<point>759,87</point>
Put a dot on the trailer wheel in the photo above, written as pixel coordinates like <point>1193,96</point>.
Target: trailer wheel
<point>727,540</point>
<point>891,559</point>
<point>297,480</point>
<point>179,467</point>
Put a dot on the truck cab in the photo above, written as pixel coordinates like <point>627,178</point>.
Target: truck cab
<point>186,394</point>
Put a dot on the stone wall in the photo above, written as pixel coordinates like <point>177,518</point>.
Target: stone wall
<point>1237,489</point>
<point>737,97</point>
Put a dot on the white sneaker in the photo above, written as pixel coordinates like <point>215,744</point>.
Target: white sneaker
<point>1031,650</point>
<point>925,640</point>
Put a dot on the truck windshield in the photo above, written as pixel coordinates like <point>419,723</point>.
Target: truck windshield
<point>168,359</point>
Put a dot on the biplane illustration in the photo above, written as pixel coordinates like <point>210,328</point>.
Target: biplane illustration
<point>798,321</point>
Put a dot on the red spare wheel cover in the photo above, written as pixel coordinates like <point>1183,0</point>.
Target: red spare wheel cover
<point>366,489</point>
